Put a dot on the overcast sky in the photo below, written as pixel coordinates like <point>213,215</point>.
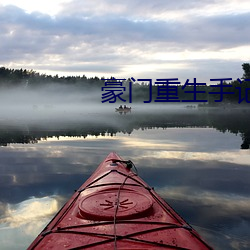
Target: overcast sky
<point>133,38</point>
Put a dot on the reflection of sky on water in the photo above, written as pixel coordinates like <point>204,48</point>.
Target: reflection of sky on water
<point>199,171</point>
<point>21,221</point>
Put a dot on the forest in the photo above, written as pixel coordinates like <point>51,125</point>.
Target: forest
<point>219,92</point>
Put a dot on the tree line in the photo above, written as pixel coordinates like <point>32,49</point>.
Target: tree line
<point>31,79</point>
<point>139,91</point>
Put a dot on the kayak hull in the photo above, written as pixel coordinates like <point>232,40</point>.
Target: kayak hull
<point>116,209</point>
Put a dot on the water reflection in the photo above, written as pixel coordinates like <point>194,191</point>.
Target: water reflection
<point>200,171</point>
<point>31,210</point>
<point>21,221</point>
<point>110,123</point>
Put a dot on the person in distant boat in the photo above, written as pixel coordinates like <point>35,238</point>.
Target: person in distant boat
<point>120,107</point>
<point>125,106</point>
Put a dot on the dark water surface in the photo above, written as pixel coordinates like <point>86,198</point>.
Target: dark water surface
<point>198,161</point>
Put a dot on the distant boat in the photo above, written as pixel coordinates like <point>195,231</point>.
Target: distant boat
<point>123,110</point>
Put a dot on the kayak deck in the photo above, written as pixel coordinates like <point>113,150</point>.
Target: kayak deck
<point>116,209</point>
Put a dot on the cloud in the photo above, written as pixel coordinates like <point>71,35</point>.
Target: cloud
<point>143,10</point>
<point>25,220</point>
<point>106,37</point>
<point>29,210</point>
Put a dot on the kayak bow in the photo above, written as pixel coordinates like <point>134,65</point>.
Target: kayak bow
<point>116,209</point>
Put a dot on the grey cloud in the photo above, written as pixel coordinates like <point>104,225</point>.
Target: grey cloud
<point>83,68</point>
<point>217,31</point>
<point>98,39</point>
<point>223,31</point>
<point>133,8</point>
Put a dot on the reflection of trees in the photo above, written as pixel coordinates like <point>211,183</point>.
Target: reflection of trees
<point>245,144</point>
<point>8,137</point>
<point>236,122</point>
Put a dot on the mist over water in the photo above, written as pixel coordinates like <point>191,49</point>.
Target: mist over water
<point>65,108</point>
<point>52,102</point>
<point>61,103</point>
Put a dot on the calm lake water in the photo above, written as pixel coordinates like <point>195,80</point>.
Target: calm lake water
<point>198,160</point>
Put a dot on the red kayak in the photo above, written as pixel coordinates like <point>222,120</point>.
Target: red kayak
<point>116,209</point>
